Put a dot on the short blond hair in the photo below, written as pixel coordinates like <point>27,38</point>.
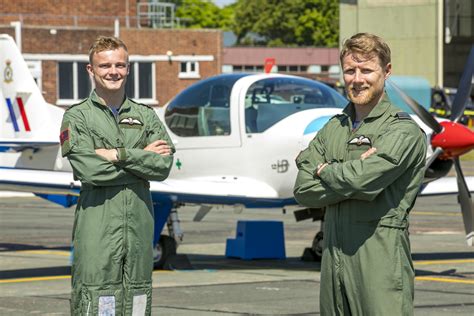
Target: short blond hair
<point>102,43</point>
<point>366,44</point>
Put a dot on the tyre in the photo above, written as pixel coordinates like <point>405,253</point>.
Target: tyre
<point>165,248</point>
<point>317,245</point>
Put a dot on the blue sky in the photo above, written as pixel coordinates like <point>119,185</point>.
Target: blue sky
<point>222,3</point>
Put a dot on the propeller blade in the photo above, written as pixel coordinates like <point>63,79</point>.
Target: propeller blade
<point>466,203</point>
<point>438,151</point>
<point>424,115</point>
<point>464,89</point>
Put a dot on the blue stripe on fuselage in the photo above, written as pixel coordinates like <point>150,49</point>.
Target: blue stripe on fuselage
<point>316,125</point>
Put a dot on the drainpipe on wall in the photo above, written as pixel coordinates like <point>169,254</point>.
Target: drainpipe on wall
<point>17,26</point>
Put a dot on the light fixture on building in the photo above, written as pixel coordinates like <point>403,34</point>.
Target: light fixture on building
<point>169,54</point>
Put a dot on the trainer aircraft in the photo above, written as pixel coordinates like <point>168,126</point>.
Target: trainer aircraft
<point>236,136</point>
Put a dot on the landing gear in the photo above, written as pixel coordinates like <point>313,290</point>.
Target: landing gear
<point>315,252</point>
<point>165,248</point>
<point>317,245</point>
<point>164,251</point>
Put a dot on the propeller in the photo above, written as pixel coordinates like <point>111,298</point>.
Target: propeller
<point>418,109</point>
<point>450,139</point>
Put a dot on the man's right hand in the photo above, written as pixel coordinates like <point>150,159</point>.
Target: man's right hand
<point>159,147</point>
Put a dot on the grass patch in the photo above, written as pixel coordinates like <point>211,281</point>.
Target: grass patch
<point>468,157</point>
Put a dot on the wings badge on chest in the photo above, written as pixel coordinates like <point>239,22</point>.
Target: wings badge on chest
<point>360,140</point>
<point>130,121</point>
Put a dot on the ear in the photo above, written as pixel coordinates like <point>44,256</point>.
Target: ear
<point>90,69</point>
<point>388,70</point>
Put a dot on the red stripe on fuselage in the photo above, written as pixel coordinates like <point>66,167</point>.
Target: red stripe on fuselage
<point>23,114</point>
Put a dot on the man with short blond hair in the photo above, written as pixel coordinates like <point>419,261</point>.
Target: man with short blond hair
<point>365,167</point>
<point>115,147</point>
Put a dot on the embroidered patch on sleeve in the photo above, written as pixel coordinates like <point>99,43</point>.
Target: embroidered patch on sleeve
<point>65,139</point>
<point>64,136</point>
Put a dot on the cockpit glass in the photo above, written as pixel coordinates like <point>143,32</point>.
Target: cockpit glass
<point>203,109</point>
<point>268,101</point>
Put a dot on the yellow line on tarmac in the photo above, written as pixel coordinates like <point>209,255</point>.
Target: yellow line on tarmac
<point>446,280</point>
<point>429,262</point>
<point>46,252</point>
<point>435,214</point>
<point>50,278</point>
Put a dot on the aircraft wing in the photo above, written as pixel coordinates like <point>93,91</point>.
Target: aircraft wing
<point>189,190</point>
<point>7,145</point>
<point>445,185</point>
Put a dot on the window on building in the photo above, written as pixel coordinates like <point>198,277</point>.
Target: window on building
<point>74,83</point>
<point>140,82</point>
<point>189,69</point>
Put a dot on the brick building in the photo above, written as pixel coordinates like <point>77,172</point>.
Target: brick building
<point>56,36</point>
<point>312,62</point>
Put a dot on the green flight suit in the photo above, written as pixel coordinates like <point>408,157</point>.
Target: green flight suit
<point>366,266</point>
<point>113,226</point>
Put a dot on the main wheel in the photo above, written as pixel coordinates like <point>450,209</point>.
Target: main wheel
<point>165,248</point>
<point>317,245</point>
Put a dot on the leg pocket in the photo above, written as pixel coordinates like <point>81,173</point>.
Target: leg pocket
<point>138,300</point>
<point>102,300</point>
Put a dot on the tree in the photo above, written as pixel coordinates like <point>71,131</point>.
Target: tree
<point>287,22</point>
<point>204,14</point>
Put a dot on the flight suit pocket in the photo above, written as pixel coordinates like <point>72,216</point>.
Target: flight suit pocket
<point>101,302</point>
<point>101,141</point>
<point>135,137</point>
<point>139,301</point>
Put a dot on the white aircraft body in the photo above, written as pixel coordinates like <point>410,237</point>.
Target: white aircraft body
<point>236,138</point>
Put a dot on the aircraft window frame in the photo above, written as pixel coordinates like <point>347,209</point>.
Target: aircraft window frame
<point>270,100</point>
<point>203,109</point>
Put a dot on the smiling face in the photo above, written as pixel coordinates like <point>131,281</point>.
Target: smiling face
<point>109,69</point>
<point>364,78</point>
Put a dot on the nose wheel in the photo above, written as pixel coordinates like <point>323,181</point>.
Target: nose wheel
<point>315,253</point>
<point>317,246</point>
<point>165,248</point>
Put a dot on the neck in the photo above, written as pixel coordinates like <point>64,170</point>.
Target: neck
<point>363,110</point>
<point>111,98</point>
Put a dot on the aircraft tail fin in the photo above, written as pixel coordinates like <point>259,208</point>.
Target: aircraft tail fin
<point>25,117</point>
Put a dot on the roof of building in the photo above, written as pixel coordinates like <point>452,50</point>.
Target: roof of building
<point>290,55</point>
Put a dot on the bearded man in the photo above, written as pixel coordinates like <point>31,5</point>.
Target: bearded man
<point>365,167</point>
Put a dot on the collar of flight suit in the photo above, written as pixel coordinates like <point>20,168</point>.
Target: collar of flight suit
<point>377,111</point>
<point>98,101</point>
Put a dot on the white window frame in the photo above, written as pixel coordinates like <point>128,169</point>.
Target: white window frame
<point>189,74</point>
<point>36,70</point>
<point>136,82</point>
<point>75,86</point>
